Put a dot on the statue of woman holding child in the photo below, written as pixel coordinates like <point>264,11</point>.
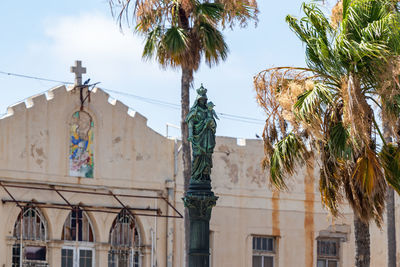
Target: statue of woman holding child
<point>202,127</point>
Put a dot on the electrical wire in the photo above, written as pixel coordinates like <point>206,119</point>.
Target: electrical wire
<point>33,77</point>
<point>176,106</point>
<point>141,98</point>
<point>144,99</point>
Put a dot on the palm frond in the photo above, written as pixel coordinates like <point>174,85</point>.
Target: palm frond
<point>338,141</point>
<point>212,40</point>
<point>317,19</point>
<point>368,187</point>
<point>391,105</point>
<point>287,154</point>
<point>238,12</point>
<point>308,105</point>
<point>175,40</point>
<point>390,158</point>
<point>209,12</point>
<point>346,4</point>
<point>330,182</point>
<point>152,42</point>
<point>367,172</point>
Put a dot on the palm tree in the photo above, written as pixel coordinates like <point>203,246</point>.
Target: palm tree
<point>179,33</point>
<point>330,107</point>
<point>390,205</point>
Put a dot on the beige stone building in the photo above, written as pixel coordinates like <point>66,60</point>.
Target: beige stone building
<point>91,185</point>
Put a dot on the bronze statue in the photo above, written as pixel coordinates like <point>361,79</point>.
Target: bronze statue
<point>202,127</point>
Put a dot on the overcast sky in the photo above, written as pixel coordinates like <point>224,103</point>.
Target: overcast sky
<point>44,38</point>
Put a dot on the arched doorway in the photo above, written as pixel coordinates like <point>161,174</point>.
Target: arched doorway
<point>125,242</point>
<point>78,249</point>
<point>30,231</point>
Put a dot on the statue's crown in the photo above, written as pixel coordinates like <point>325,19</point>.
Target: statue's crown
<point>202,91</point>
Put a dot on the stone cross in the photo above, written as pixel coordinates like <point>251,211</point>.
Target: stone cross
<point>78,70</point>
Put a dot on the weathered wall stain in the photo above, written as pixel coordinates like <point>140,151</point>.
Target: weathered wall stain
<point>309,213</point>
<point>139,157</point>
<point>256,176</point>
<point>233,170</point>
<point>276,230</point>
<point>224,149</point>
<point>37,153</point>
<point>116,140</point>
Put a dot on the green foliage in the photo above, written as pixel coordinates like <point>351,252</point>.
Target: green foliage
<point>390,159</point>
<point>338,142</point>
<point>309,104</point>
<point>209,12</point>
<point>351,66</point>
<point>182,33</point>
<point>330,181</point>
<point>287,154</point>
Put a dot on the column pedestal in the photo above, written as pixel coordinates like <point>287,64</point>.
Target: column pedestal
<point>199,200</point>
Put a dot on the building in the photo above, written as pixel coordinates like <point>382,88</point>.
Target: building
<point>87,183</point>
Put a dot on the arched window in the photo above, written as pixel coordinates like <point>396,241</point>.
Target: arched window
<point>77,233</point>
<point>81,145</point>
<point>30,230</point>
<point>77,227</point>
<point>125,242</point>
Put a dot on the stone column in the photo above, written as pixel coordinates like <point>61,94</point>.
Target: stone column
<point>199,200</point>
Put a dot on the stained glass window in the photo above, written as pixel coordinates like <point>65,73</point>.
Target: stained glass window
<point>81,145</point>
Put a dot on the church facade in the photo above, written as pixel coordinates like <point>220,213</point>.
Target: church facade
<point>90,184</point>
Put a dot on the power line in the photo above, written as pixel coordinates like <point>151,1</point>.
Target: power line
<point>141,98</point>
<point>145,99</point>
<point>33,77</point>
<point>176,106</point>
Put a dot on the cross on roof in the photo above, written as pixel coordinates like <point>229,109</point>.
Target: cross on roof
<point>78,70</point>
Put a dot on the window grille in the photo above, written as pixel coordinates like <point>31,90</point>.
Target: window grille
<point>67,258</point>
<point>125,242</point>
<point>31,225</point>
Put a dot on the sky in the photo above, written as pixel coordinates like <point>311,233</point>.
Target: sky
<point>44,38</point>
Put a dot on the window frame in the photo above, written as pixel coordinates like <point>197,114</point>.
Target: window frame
<point>70,219</point>
<point>133,245</point>
<point>272,253</point>
<point>76,254</point>
<point>30,239</point>
<point>327,258</point>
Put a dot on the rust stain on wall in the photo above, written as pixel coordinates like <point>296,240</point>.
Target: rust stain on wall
<point>276,231</point>
<point>309,214</point>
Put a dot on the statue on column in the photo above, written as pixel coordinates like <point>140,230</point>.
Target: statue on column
<point>199,199</point>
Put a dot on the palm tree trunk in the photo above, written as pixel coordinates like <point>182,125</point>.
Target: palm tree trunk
<point>186,81</point>
<point>390,209</point>
<point>362,240</point>
<point>391,227</point>
<point>361,229</point>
